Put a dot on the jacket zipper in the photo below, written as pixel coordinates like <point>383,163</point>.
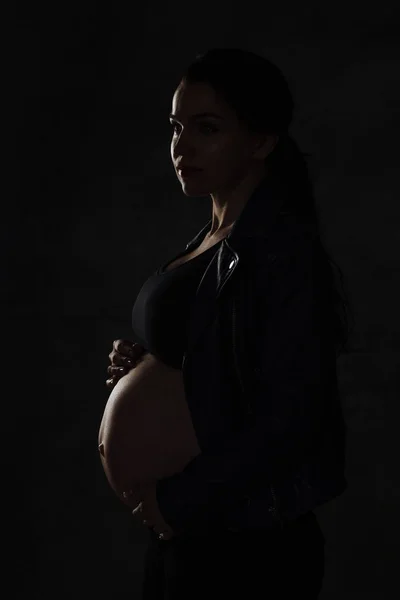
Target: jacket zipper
<point>274,508</point>
<point>248,406</point>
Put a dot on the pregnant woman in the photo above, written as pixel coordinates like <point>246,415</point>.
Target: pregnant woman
<point>224,429</point>
<point>146,433</point>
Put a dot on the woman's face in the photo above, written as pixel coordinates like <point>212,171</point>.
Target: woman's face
<point>220,145</point>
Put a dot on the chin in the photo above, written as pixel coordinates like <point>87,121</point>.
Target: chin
<point>194,190</point>
<point>192,194</point>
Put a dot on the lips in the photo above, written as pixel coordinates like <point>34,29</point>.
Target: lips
<point>187,171</point>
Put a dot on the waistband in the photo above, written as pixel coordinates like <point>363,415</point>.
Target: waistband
<point>306,520</point>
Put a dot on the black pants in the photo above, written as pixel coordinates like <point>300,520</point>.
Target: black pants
<point>281,564</point>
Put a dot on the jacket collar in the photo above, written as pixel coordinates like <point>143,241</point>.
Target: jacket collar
<point>269,199</point>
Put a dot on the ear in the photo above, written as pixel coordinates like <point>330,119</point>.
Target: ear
<point>265,146</point>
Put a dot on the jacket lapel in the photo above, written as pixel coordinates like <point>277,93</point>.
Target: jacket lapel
<point>256,219</point>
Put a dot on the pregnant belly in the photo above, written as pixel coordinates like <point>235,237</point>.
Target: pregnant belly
<point>146,432</point>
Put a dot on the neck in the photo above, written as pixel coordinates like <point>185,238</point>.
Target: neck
<point>229,203</point>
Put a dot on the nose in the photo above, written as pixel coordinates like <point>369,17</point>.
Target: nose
<point>183,146</point>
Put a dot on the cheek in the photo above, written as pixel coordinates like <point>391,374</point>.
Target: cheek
<point>221,153</point>
<point>218,145</point>
<point>227,163</point>
<point>218,155</point>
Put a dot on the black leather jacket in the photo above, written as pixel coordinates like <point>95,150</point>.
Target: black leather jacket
<point>260,377</point>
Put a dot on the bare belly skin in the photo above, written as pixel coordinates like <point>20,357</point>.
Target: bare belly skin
<point>146,432</point>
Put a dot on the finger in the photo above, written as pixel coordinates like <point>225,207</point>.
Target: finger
<point>133,351</point>
<point>116,351</point>
<point>110,383</point>
<point>125,347</point>
<point>122,361</point>
<point>117,372</point>
<point>138,511</point>
<point>134,497</point>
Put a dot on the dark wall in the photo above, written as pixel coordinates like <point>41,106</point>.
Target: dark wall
<point>97,208</point>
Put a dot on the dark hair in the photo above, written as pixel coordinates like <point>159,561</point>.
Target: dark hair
<point>260,95</point>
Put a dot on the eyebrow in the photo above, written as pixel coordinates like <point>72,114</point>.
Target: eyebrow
<point>198,116</point>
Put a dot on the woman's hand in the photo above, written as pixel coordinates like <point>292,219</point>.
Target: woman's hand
<point>143,498</point>
<point>124,356</point>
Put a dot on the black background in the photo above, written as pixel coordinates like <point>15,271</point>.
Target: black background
<point>97,208</point>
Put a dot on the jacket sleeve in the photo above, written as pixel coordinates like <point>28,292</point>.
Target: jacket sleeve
<point>286,398</point>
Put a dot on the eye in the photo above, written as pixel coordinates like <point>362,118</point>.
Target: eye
<point>208,128</point>
<point>173,127</point>
<point>204,127</point>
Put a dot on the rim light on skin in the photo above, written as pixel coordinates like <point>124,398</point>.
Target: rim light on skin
<point>208,135</point>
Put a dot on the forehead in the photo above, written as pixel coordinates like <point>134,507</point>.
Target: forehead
<point>192,98</point>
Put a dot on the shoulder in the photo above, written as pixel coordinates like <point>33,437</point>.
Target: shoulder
<point>290,246</point>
